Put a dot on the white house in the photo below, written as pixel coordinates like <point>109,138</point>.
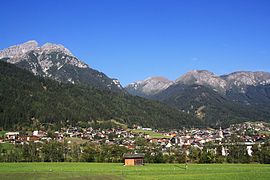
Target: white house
<point>12,135</point>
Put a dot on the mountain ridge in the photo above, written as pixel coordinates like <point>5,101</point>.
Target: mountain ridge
<point>217,100</point>
<point>220,83</point>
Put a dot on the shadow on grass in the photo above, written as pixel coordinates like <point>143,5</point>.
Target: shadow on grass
<point>180,167</point>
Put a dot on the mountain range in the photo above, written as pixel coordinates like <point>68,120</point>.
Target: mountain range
<point>237,82</point>
<point>49,85</point>
<point>198,97</point>
<point>217,100</point>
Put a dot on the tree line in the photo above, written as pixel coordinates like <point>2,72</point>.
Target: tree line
<point>55,151</point>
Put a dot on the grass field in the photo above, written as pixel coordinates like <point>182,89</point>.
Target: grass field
<point>113,171</point>
<point>150,133</point>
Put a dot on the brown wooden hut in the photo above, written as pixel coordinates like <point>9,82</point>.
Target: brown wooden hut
<point>135,159</point>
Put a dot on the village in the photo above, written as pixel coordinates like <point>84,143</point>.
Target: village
<point>246,134</point>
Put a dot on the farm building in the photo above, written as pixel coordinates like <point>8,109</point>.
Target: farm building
<point>133,159</point>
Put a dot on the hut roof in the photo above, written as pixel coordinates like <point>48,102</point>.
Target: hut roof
<point>131,156</point>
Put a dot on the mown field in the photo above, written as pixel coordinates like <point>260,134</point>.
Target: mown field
<point>113,171</point>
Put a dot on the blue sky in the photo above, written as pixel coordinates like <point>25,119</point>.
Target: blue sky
<point>134,39</point>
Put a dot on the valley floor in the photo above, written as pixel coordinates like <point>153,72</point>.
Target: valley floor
<point>113,171</point>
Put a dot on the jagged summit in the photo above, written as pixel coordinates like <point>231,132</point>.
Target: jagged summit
<point>56,62</point>
<point>43,54</point>
<point>18,50</point>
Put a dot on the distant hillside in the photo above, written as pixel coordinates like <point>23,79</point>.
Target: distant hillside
<point>211,107</point>
<point>24,97</point>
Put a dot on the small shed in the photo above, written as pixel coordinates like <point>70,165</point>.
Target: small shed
<point>135,159</point>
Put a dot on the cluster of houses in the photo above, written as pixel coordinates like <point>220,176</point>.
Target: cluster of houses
<point>17,138</point>
<point>249,133</point>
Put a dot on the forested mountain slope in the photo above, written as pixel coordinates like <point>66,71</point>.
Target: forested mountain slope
<point>24,97</point>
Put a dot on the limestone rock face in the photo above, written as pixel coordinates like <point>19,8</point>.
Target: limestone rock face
<point>203,77</point>
<point>17,51</point>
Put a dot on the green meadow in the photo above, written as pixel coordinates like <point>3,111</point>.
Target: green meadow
<point>150,133</point>
<point>113,171</point>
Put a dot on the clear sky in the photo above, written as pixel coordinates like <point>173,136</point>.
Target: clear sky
<point>134,39</point>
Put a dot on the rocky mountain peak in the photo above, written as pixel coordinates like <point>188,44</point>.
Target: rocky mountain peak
<point>195,75</point>
<point>203,77</point>
<point>149,86</point>
<point>44,54</point>
<point>58,63</point>
<point>50,47</point>
<point>18,50</point>
<point>247,78</point>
